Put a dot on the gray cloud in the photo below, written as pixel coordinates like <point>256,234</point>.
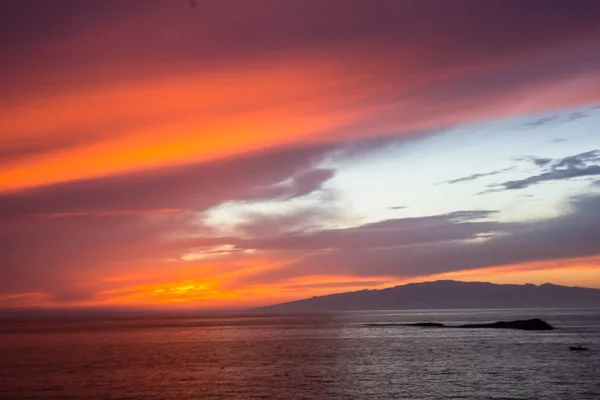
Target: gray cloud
<point>538,161</point>
<point>577,115</point>
<point>541,121</point>
<point>578,160</point>
<point>460,225</point>
<point>262,225</point>
<point>552,176</point>
<point>574,234</point>
<point>477,176</point>
<point>301,184</point>
<point>579,165</point>
<point>557,118</point>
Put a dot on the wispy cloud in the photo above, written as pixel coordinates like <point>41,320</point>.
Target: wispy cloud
<point>541,121</point>
<point>538,161</point>
<point>576,166</point>
<point>557,118</point>
<point>479,175</point>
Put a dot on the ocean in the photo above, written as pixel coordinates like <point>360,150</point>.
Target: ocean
<point>329,356</point>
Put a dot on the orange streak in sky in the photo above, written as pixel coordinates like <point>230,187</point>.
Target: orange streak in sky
<point>148,124</point>
<point>583,272</point>
<point>119,213</point>
<point>200,293</point>
<point>219,283</point>
<point>132,125</point>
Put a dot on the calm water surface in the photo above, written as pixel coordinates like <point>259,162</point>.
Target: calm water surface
<point>301,357</point>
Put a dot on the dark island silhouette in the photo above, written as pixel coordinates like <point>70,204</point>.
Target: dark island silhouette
<point>447,295</point>
<point>534,324</point>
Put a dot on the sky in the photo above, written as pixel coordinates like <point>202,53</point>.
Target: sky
<point>224,154</point>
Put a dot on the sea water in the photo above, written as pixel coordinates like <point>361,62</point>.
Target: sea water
<point>329,356</point>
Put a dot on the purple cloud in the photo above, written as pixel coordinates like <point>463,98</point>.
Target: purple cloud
<point>440,244</point>
<point>52,235</point>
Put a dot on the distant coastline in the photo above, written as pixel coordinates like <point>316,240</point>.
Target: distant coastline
<point>443,295</point>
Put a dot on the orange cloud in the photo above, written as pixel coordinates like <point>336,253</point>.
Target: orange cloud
<point>109,129</point>
<point>148,124</point>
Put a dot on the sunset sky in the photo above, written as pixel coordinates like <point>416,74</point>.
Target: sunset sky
<point>238,153</point>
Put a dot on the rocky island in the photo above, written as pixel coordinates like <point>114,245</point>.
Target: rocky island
<point>534,324</point>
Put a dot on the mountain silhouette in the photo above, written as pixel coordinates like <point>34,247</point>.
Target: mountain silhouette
<point>448,295</point>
